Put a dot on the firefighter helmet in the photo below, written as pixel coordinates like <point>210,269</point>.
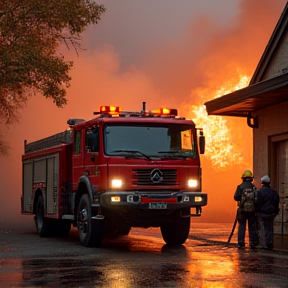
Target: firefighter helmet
<point>247,174</point>
<point>265,179</point>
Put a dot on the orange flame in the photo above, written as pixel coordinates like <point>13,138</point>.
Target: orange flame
<point>221,148</point>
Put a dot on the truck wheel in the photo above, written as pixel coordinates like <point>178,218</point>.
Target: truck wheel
<point>91,232</point>
<point>42,223</point>
<point>176,233</point>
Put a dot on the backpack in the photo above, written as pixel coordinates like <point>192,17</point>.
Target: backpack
<point>248,199</point>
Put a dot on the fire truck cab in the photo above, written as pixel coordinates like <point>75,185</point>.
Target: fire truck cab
<point>116,171</point>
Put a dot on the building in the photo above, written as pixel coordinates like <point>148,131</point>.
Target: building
<point>265,105</point>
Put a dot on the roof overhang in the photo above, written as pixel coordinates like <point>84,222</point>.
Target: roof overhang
<point>244,102</point>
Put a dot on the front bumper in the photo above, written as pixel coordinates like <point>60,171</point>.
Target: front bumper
<point>168,201</point>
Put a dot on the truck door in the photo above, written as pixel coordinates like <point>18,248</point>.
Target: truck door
<point>91,155</point>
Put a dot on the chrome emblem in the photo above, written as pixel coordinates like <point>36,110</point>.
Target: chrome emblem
<point>156,176</point>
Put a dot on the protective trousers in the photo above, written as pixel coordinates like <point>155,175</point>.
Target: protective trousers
<point>243,217</point>
<point>266,222</point>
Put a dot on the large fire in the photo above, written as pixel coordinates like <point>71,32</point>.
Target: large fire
<point>221,146</point>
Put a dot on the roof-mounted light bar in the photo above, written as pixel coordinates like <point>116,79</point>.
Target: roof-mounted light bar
<point>117,110</point>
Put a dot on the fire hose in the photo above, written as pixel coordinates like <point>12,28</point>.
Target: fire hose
<point>233,228</point>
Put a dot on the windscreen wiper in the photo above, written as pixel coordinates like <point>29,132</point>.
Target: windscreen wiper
<point>173,154</point>
<point>167,157</point>
<point>133,152</point>
<point>169,152</point>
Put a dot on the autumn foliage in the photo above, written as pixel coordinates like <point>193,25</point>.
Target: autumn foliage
<point>31,33</point>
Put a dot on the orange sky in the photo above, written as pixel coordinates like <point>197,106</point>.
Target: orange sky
<point>181,67</point>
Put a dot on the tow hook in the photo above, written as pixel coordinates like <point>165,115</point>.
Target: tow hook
<point>197,214</point>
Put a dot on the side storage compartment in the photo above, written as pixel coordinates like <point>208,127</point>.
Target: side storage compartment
<point>52,184</point>
<point>41,176</point>
<point>27,192</point>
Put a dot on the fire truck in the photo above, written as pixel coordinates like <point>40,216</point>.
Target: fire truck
<point>121,169</point>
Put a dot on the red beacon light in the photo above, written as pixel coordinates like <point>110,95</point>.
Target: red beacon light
<point>110,109</point>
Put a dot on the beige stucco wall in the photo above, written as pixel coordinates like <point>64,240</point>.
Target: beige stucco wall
<point>279,61</point>
<point>272,121</point>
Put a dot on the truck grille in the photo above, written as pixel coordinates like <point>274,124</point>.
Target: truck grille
<point>144,177</point>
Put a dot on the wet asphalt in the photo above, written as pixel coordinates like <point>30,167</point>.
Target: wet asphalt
<point>140,259</point>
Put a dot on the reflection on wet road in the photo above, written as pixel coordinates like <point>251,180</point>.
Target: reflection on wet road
<point>138,260</point>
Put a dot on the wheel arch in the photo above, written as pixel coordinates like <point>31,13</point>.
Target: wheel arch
<point>38,193</point>
<point>84,187</point>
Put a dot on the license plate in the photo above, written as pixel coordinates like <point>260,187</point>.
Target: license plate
<point>157,205</point>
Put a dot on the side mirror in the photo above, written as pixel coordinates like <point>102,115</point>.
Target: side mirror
<point>202,142</point>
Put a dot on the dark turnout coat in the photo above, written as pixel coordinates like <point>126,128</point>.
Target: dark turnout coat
<point>267,200</point>
<point>247,183</point>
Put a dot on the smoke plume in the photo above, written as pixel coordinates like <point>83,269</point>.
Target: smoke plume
<point>125,69</point>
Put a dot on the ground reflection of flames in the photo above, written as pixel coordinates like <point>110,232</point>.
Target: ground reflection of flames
<point>221,146</point>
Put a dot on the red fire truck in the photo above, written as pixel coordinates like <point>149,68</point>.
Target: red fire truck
<point>119,170</point>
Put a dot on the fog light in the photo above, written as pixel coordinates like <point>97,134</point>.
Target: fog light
<point>198,199</point>
<point>115,198</point>
<point>192,183</point>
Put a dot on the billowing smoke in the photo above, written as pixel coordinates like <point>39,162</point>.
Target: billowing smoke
<point>161,53</point>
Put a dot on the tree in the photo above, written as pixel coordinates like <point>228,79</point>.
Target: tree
<point>31,33</point>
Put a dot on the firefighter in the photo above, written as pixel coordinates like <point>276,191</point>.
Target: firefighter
<point>244,214</point>
<point>268,209</point>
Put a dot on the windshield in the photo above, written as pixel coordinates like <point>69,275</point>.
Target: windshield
<point>171,141</point>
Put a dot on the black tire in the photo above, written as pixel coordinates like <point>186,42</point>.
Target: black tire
<point>91,232</point>
<point>43,224</point>
<point>176,232</point>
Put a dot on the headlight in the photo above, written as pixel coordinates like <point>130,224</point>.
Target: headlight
<point>192,183</point>
<point>116,183</point>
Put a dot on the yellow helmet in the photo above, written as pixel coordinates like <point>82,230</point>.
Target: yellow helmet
<point>247,174</point>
